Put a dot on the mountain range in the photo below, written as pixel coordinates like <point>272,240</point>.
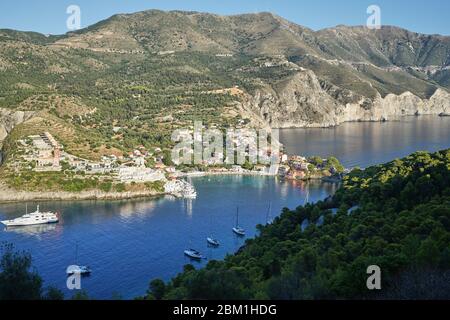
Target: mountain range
<point>152,71</point>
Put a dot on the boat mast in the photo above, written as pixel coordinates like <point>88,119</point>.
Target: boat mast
<point>210,225</point>
<point>307,195</point>
<point>269,215</point>
<point>237,216</point>
<point>270,210</point>
<point>185,201</point>
<point>76,254</point>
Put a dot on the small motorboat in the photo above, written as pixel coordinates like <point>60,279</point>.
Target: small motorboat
<point>193,254</point>
<point>213,242</point>
<point>82,270</point>
<point>239,231</point>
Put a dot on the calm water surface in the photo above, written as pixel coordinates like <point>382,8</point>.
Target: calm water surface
<point>367,143</point>
<point>128,243</point>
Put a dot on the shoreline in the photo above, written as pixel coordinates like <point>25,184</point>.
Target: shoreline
<point>8,195</point>
<point>206,174</point>
<point>256,174</point>
<point>12,196</point>
<point>396,118</point>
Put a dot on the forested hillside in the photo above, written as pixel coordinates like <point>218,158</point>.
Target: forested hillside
<point>396,216</point>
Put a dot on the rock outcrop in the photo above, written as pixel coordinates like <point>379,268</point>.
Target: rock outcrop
<point>9,119</point>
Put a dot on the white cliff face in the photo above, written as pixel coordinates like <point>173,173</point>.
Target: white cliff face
<point>300,101</point>
<point>394,106</point>
<point>439,103</point>
<point>9,119</point>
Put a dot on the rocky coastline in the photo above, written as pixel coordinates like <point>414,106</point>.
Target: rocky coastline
<point>10,195</point>
<point>302,101</point>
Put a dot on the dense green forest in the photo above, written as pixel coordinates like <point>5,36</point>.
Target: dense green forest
<point>396,216</point>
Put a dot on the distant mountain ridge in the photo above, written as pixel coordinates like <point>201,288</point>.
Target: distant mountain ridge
<point>265,33</point>
<point>420,60</point>
<point>246,32</point>
<point>290,75</point>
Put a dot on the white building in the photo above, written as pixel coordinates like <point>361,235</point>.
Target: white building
<point>134,174</point>
<point>139,161</point>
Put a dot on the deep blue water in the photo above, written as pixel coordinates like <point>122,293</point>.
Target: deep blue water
<point>128,243</point>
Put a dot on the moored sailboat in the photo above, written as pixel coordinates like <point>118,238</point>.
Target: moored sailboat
<point>77,269</point>
<point>212,242</point>
<point>192,253</point>
<point>237,229</point>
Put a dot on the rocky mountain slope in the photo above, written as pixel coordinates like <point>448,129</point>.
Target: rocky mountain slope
<point>175,65</point>
<point>301,101</point>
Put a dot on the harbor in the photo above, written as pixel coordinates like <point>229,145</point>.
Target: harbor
<point>142,239</point>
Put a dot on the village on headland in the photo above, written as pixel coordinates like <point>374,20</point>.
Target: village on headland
<point>44,154</point>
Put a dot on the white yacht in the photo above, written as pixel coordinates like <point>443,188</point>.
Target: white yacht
<point>181,188</point>
<point>192,195</point>
<point>33,218</point>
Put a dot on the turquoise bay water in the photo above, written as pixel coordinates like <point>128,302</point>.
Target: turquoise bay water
<point>128,243</point>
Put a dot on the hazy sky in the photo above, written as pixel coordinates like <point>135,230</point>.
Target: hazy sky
<point>49,16</point>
